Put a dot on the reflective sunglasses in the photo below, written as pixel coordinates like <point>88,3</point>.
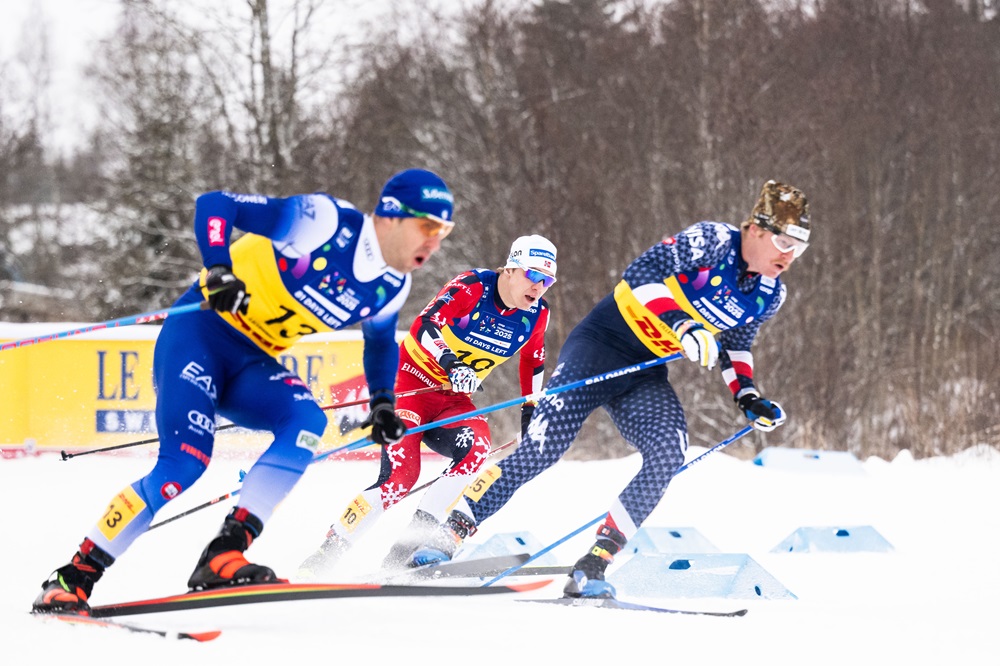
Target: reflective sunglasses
<point>786,243</point>
<point>431,225</point>
<point>536,276</point>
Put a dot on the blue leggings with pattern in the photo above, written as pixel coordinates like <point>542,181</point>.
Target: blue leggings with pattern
<point>643,406</point>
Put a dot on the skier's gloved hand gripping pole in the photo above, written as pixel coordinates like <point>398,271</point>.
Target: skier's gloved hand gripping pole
<point>144,318</point>
<point>721,445</point>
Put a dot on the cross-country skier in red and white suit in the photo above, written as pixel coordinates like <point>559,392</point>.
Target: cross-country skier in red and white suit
<point>480,319</point>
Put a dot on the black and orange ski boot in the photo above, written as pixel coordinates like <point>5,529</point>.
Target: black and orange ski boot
<point>222,563</point>
<point>69,587</point>
<point>586,579</point>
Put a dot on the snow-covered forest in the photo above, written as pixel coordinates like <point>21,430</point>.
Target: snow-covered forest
<point>604,125</point>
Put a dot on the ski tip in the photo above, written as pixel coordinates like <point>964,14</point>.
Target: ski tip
<point>528,587</point>
<point>202,636</point>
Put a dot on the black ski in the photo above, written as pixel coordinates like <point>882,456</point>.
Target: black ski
<point>625,605</point>
<point>255,594</point>
<point>75,619</point>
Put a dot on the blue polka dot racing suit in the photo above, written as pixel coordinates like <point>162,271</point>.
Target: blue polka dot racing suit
<point>310,263</point>
<point>697,274</point>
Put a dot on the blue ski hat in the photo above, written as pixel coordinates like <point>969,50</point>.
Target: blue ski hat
<point>416,193</point>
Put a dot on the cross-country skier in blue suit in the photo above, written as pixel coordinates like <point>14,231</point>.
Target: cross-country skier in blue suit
<point>306,264</point>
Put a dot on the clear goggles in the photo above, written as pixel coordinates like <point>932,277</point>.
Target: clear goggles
<point>786,243</point>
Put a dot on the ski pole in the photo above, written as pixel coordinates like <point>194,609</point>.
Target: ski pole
<point>193,509</point>
<point>336,405</point>
<point>114,323</point>
<point>233,493</point>
<point>721,445</point>
<point>534,397</point>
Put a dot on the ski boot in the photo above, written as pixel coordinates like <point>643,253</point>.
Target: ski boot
<point>445,540</point>
<point>222,563</point>
<point>320,563</point>
<point>419,531</point>
<point>587,577</point>
<point>69,586</point>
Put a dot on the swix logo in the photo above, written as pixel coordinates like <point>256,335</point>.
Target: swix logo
<point>295,381</point>
<point>216,231</point>
<point>170,490</point>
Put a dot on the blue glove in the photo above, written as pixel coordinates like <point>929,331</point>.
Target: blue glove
<point>765,414</point>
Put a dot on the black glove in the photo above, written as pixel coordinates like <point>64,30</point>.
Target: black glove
<point>387,427</point>
<point>765,414</point>
<point>226,292</point>
<point>527,409</point>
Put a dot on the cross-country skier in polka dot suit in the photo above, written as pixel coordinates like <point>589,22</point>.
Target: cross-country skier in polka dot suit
<point>704,292</point>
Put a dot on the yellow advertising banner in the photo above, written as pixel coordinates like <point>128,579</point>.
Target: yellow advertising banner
<point>96,390</point>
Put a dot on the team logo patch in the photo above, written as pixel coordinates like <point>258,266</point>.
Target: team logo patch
<point>307,440</point>
<point>170,490</point>
<point>216,231</point>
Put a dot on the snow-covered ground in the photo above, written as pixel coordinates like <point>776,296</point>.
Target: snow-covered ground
<point>932,599</point>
